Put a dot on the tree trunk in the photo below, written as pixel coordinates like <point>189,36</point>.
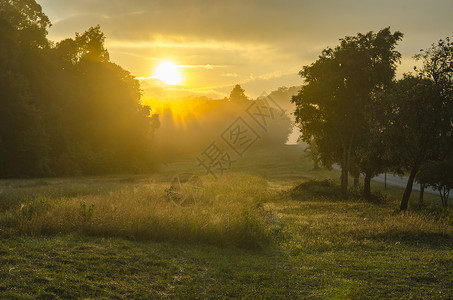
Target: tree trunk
<point>345,170</point>
<point>344,181</point>
<point>408,190</point>
<point>367,187</point>
<point>356,181</point>
<point>315,164</point>
<point>444,193</point>
<point>422,191</point>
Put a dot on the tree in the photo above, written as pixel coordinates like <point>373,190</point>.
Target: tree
<point>102,109</point>
<point>416,119</point>
<point>313,149</point>
<point>66,109</point>
<point>438,175</point>
<point>23,140</point>
<point>28,20</point>
<point>86,46</point>
<point>370,162</point>
<point>371,153</point>
<point>437,62</point>
<point>237,94</point>
<point>332,105</point>
<point>420,114</point>
<point>438,66</point>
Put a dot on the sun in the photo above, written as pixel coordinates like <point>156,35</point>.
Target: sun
<point>169,73</point>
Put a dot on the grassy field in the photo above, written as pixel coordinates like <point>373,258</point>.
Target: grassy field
<point>264,230</point>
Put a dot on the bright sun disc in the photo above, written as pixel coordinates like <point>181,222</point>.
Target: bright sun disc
<point>169,73</point>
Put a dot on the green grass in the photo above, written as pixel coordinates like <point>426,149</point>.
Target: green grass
<point>257,233</point>
<point>369,250</point>
<point>226,214</point>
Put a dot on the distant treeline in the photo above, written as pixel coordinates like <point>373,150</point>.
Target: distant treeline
<point>194,123</point>
<point>65,109</point>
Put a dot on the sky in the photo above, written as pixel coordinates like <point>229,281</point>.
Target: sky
<point>260,44</point>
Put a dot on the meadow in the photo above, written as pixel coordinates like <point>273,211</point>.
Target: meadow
<point>271,228</point>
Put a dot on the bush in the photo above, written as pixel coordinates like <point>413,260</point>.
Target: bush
<point>316,188</point>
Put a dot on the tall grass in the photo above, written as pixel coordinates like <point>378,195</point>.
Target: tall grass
<point>318,219</point>
<point>226,215</point>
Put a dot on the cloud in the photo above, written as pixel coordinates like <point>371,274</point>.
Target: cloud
<point>248,20</point>
<point>230,75</point>
<point>269,39</point>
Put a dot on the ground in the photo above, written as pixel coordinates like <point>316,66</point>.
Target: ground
<point>264,230</point>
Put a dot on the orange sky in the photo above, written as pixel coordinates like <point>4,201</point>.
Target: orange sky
<point>260,44</point>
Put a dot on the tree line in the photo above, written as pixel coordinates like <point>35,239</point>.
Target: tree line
<point>352,111</point>
<point>195,122</point>
<point>65,108</point>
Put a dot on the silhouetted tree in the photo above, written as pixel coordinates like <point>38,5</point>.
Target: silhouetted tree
<point>313,149</point>
<point>102,110</point>
<point>66,109</point>
<point>332,105</point>
<point>23,141</point>
<point>437,62</point>
<point>28,21</point>
<point>421,114</point>
<point>416,118</point>
<point>371,155</point>
<point>438,175</point>
<point>282,96</point>
<point>237,94</point>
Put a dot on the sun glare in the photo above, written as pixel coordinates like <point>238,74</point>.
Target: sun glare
<point>169,73</point>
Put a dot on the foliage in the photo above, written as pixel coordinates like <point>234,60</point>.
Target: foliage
<point>437,62</point>
<point>313,149</point>
<point>419,125</point>
<point>334,103</point>
<point>325,188</point>
<point>237,94</point>
<point>437,67</point>
<point>65,109</point>
<point>371,156</point>
<point>86,213</point>
<point>27,20</point>
<point>438,175</point>
<point>282,96</point>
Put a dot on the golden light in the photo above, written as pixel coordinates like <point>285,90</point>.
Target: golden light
<point>169,73</point>
<point>176,111</point>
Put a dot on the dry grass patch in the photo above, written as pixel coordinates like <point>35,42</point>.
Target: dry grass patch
<point>225,216</point>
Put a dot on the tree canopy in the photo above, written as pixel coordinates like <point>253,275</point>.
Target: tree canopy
<point>438,175</point>
<point>420,114</point>
<point>65,109</point>
<point>359,116</point>
<point>333,105</point>
<point>237,94</point>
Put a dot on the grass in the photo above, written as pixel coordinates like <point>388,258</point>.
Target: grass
<point>369,250</point>
<point>140,211</point>
<point>265,230</point>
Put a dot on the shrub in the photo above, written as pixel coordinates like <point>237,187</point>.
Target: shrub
<point>316,188</point>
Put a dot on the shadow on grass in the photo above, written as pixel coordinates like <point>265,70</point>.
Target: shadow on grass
<point>433,240</point>
<point>315,188</point>
<point>329,190</point>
